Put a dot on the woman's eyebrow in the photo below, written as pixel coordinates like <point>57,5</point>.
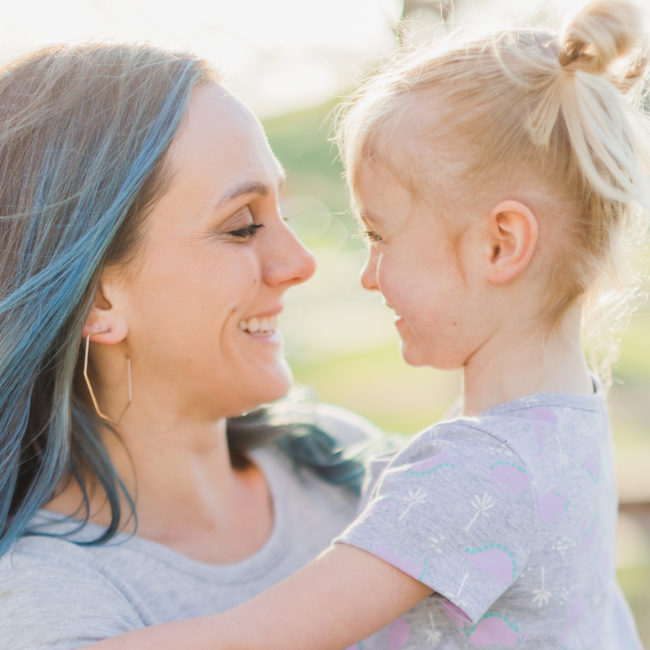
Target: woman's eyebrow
<point>255,187</point>
<point>248,187</point>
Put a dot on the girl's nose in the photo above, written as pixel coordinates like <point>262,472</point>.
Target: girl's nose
<point>290,262</point>
<point>369,272</point>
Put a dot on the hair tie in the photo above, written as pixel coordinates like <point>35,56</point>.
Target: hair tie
<point>575,56</point>
<point>570,53</point>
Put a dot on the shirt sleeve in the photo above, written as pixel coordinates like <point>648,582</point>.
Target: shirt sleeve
<point>455,509</point>
<point>59,604</point>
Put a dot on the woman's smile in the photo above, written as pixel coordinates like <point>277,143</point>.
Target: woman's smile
<point>262,328</point>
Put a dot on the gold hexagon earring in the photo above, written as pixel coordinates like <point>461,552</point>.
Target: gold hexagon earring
<point>92,392</point>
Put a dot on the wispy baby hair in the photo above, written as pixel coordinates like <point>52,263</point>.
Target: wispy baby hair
<point>83,133</point>
<point>518,109</point>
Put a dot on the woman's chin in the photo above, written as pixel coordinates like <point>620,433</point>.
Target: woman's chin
<point>272,387</point>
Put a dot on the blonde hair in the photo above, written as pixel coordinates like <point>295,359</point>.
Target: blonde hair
<point>523,104</point>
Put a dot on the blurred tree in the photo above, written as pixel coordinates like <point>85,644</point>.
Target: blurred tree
<point>419,18</point>
<point>444,8</point>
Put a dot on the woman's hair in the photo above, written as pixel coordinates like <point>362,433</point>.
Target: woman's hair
<point>83,135</point>
<point>522,108</point>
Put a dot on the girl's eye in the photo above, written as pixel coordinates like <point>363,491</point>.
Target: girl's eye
<point>372,236</point>
<point>247,232</point>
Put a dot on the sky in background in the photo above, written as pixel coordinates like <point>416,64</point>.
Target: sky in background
<point>276,54</point>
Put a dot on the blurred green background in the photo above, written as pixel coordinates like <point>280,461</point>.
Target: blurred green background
<point>342,344</point>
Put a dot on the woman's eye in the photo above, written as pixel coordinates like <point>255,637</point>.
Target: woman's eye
<point>247,232</point>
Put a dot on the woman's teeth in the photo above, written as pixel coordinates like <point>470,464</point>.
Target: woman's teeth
<point>259,325</point>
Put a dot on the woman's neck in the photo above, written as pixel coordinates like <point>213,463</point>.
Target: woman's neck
<point>188,495</point>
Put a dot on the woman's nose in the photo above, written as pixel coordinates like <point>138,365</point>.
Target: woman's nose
<point>290,262</point>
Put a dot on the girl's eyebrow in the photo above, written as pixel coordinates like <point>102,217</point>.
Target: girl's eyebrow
<point>367,217</point>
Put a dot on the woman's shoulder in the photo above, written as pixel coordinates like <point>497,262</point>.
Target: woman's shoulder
<point>52,548</point>
<point>56,595</point>
<point>345,426</point>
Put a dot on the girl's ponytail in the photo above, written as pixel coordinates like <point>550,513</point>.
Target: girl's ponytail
<point>601,53</point>
<point>603,33</point>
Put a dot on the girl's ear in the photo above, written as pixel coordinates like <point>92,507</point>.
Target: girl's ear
<point>105,323</point>
<point>512,237</point>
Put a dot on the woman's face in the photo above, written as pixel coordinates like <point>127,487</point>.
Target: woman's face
<point>201,299</point>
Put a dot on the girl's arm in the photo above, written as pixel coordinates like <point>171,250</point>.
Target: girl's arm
<point>340,598</point>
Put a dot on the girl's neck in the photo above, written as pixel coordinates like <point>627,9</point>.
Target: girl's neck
<point>523,361</point>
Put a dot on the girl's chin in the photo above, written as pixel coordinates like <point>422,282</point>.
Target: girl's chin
<point>416,357</point>
<point>410,354</point>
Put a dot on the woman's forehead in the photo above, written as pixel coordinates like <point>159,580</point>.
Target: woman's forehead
<point>222,144</point>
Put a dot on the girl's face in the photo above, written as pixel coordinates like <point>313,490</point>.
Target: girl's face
<point>424,274</point>
<point>201,300</point>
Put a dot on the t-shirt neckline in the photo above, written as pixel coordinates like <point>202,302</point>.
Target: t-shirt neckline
<point>249,568</point>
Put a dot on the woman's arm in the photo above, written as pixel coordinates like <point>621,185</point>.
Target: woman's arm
<point>340,598</point>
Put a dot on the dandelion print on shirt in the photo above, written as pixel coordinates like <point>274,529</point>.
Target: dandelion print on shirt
<point>501,516</point>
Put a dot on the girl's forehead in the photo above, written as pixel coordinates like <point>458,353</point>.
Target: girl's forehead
<point>417,146</point>
<point>406,171</point>
<point>379,195</point>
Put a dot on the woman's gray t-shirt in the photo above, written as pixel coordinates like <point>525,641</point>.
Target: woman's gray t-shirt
<point>57,595</point>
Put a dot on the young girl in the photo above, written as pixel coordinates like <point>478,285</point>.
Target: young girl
<point>495,179</point>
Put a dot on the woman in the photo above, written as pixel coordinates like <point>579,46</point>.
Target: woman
<point>143,267</point>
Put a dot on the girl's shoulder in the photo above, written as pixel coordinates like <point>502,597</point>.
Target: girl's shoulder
<point>526,427</point>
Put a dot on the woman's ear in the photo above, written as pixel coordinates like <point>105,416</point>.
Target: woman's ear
<point>512,237</point>
<point>105,323</point>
